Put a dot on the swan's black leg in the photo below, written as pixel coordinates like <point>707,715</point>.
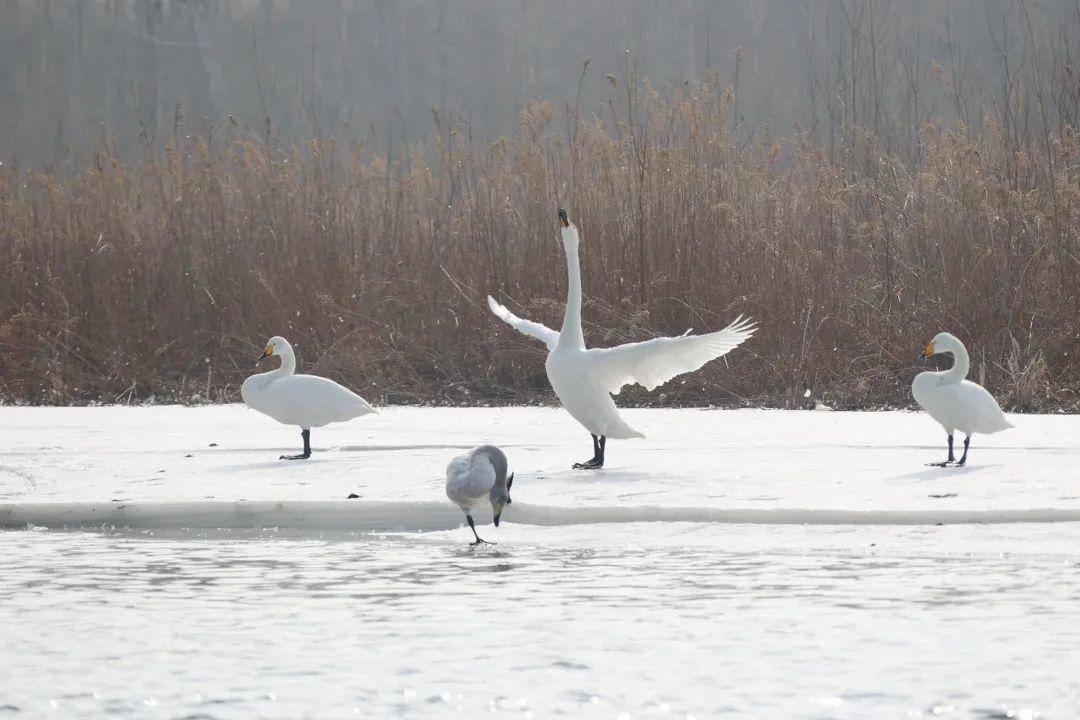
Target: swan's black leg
<point>597,462</point>
<point>306,434</point>
<point>963,458</point>
<point>589,464</point>
<point>952,458</point>
<point>478,538</point>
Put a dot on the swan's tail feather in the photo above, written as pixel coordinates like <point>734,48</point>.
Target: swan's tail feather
<point>363,407</point>
<point>623,432</point>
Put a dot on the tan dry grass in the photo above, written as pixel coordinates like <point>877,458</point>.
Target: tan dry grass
<point>163,278</point>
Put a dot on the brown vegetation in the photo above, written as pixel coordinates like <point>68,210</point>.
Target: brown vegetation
<point>162,278</point>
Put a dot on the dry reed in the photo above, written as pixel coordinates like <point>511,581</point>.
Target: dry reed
<point>162,279</point>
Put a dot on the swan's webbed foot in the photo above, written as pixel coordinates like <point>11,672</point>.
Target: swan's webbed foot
<point>306,434</point>
<point>597,462</point>
<point>952,458</point>
<point>949,464</point>
<point>479,540</point>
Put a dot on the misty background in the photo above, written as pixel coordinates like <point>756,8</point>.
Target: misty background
<point>375,70</point>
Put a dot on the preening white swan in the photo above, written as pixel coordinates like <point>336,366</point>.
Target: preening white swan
<point>305,400</point>
<point>472,478</point>
<point>956,403</point>
<point>585,379</point>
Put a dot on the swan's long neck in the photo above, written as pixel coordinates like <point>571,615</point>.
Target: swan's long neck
<point>288,363</point>
<point>571,326</point>
<point>497,459</point>
<point>961,365</point>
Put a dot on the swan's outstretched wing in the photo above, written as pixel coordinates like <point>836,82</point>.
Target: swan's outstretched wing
<point>654,362</point>
<point>534,329</point>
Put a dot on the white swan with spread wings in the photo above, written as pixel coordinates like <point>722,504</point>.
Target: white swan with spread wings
<point>585,379</point>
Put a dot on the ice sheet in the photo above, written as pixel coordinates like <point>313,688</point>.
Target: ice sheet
<point>768,460</point>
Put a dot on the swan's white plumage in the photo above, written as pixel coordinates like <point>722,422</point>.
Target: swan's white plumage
<point>583,386</point>
<point>964,406</point>
<point>584,379</point>
<point>954,402</point>
<point>653,362</point>
<point>469,479</point>
<point>304,400</point>
<point>533,329</point>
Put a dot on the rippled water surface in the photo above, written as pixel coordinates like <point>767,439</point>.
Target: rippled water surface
<point>638,620</point>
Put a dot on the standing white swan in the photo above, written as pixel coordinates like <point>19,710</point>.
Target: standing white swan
<point>472,478</point>
<point>956,403</point>
<point>585,379</point>
<point>305,400</point>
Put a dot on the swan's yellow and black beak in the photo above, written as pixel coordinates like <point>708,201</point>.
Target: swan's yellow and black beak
<point>929,351</point>
<point>564,219</point>
<point>266,353</point>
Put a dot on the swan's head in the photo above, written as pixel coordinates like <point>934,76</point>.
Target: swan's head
<point>500,498</point>
<point>943,342</point>
<point>569,232</point>
<point>276,345</point>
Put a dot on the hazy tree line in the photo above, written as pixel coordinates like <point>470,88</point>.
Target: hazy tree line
<point>375,70</point>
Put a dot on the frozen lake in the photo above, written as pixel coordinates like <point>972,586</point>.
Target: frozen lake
<point>298,603</point>
<point>637,620</point>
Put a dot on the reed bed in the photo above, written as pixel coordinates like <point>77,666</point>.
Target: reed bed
<point>159,280</point>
